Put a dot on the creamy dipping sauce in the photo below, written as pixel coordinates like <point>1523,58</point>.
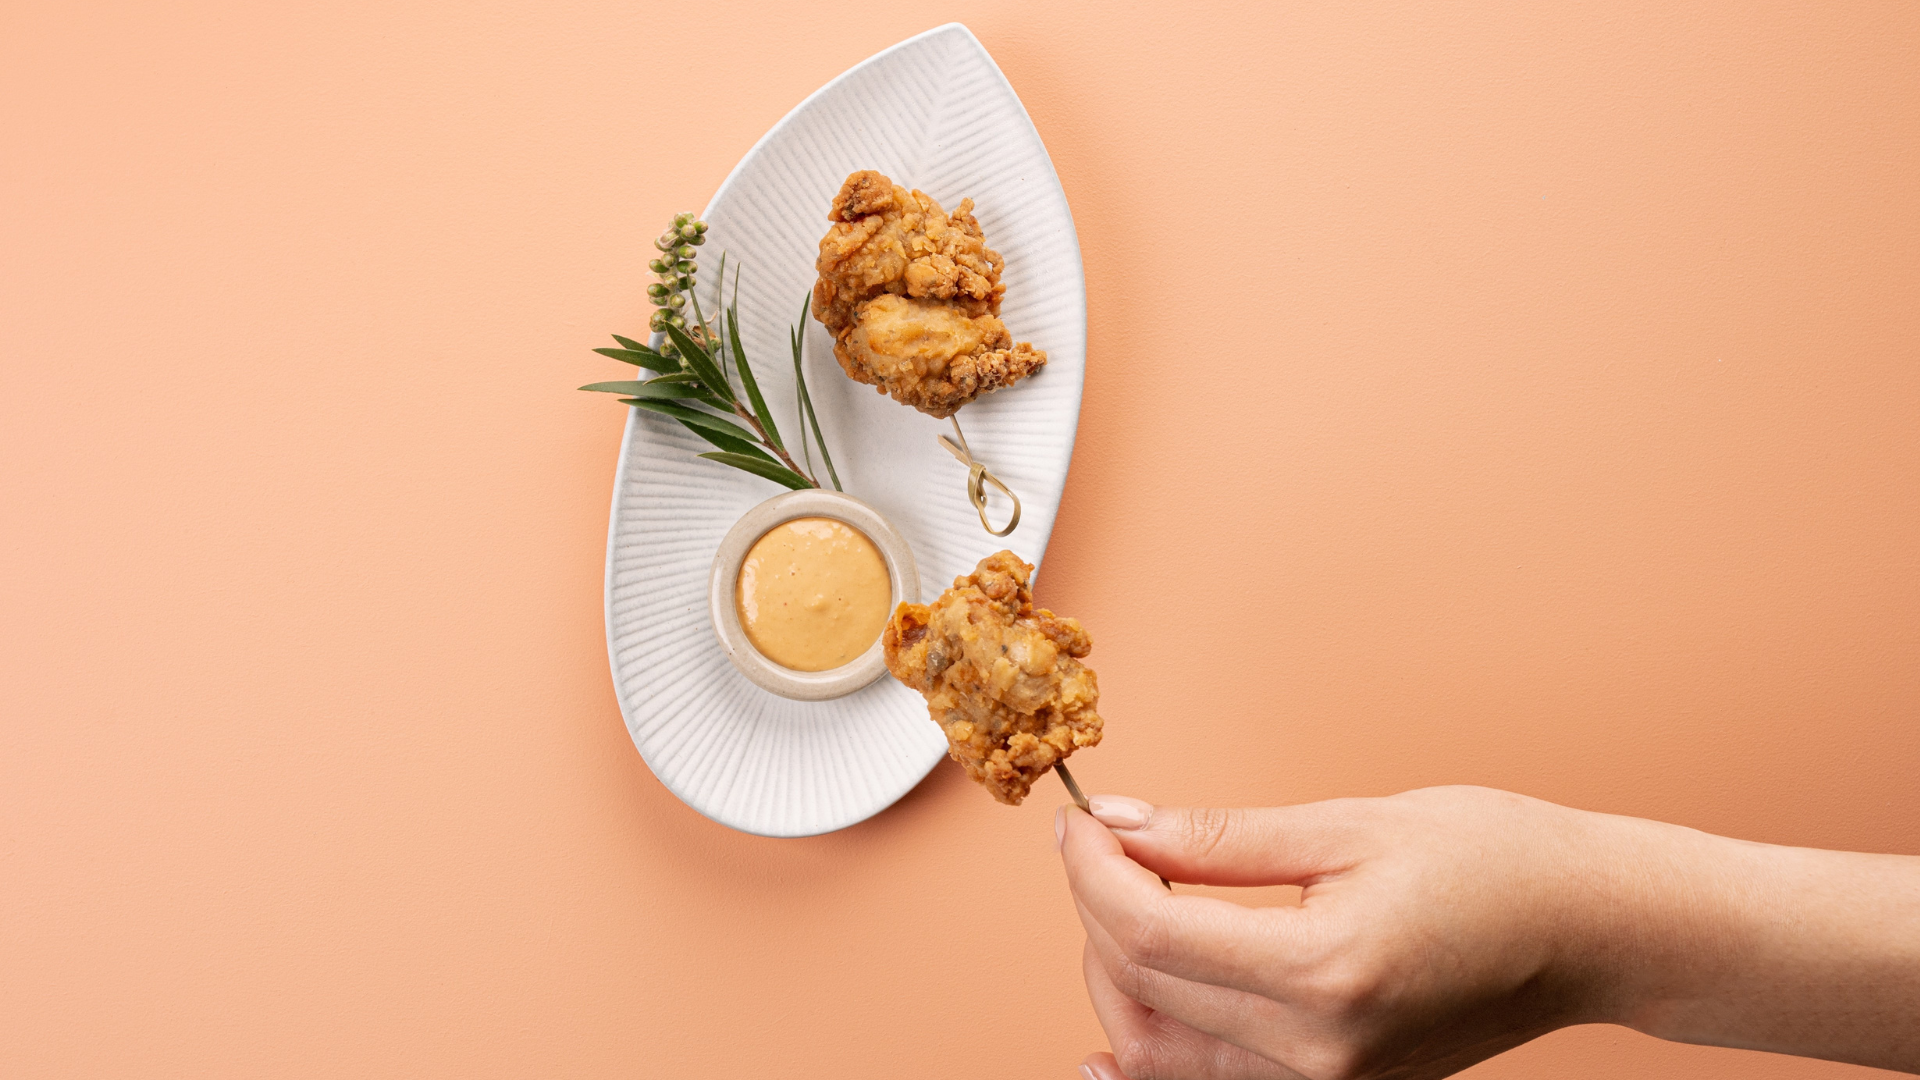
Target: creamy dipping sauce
<point>813,594</point>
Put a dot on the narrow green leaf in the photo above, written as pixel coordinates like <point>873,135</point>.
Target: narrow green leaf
<point>779,474</point>
<point>760,411</point>
<point>799,408</point>
<point>674,367</point>
<point>652,388</point>
<point>700,363</point>
<point>806,399</point>
<point>719,292</point>
<point>643,357</point>
<point>704,396</point>
<point>724,386</point>
<point>729,444</point>
<point>724,442</point>
<point>694,418</point>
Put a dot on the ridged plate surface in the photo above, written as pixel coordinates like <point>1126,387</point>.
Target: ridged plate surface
<point>935,113</point>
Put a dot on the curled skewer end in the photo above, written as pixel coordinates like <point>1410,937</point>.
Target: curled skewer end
<point>977,479</point>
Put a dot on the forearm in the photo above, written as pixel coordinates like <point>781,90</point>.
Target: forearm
<point>1793,950</point>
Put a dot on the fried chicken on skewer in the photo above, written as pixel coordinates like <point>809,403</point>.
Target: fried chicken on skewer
<point>911,295</point>
<point>1003,680</point>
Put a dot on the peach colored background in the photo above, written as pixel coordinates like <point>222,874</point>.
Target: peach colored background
<point>1477,393</point>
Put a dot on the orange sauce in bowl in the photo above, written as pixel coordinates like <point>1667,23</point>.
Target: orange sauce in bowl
<point>813,594</point>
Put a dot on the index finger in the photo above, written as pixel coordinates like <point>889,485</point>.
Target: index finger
<point>1196,938</point>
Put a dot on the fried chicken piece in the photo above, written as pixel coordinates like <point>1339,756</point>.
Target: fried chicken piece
<point>886,239</point>
<point>911,295</point>
<point>1003,680</point>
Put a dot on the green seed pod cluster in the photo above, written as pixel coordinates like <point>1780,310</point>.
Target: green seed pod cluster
<point>675,267</point>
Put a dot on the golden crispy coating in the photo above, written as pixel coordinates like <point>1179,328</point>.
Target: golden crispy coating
<point>1003,680</point>
<point>912,295</point>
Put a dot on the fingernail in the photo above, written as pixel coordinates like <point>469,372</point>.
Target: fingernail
<point>1059,827</point>
<point>1088,1073</point>
<point>1119,812</point>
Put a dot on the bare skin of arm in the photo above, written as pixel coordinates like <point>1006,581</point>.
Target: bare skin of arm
<point>1440,927</point>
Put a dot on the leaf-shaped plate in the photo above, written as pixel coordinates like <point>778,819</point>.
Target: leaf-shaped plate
<point>932,112</point>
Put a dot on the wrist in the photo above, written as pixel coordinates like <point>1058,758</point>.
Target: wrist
<point>1658,916</point>
<point>1709,940</point>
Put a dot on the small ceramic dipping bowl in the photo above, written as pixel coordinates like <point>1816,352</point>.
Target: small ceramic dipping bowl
<point>902,575</point>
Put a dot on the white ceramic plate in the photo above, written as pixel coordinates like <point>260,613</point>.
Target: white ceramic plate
<point>933,112</point>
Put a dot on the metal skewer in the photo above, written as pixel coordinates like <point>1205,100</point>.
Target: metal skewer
<point>1073,789</point>
<point>1080,801</point>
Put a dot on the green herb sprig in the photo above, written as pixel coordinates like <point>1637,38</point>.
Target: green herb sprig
<point>691,369</point>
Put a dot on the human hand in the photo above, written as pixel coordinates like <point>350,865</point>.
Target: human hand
<point>1440,927</point>
<point>1427,937</point>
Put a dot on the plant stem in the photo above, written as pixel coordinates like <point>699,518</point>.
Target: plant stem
<point>785,458</point>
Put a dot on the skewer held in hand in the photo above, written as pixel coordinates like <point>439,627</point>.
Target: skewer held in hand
<point>1073,789</point>
<point>1080,800</point>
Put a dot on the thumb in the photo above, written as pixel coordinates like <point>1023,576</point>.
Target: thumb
<point>1279,845</point>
